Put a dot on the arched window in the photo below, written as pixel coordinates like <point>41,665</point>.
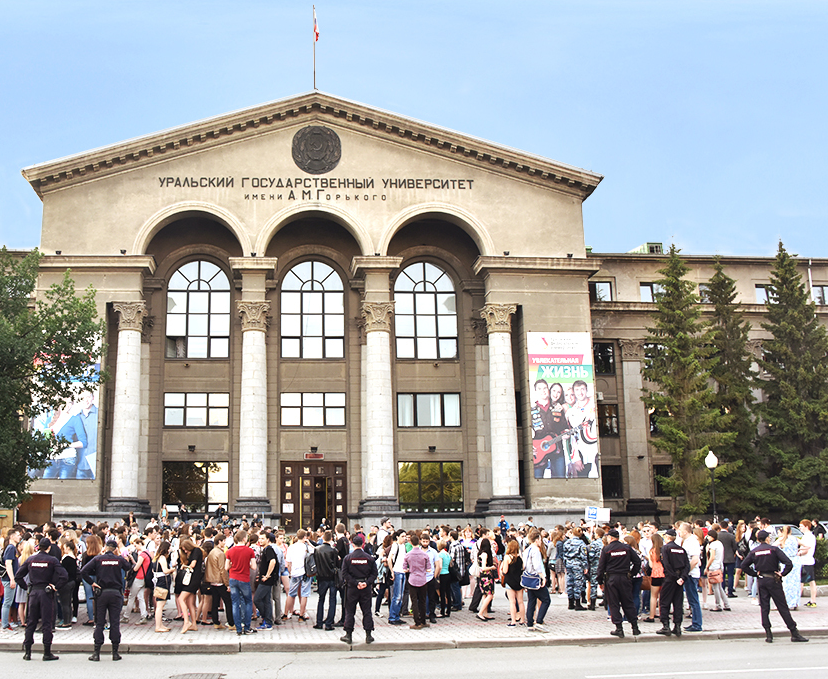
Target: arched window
<point>198,312</point>
<point>425,313</point>
<point>312,312</point>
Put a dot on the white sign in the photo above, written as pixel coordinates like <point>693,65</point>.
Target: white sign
<point>598,514</point>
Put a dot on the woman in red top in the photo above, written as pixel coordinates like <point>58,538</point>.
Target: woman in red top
<point>656,576</point>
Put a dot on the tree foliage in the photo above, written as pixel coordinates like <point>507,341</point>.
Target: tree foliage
<point>795,407</point>
<point>678,364</point>
<point>48,351</point>
<point>733,377</point>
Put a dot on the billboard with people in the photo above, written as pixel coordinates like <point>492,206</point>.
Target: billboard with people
<point>562,388</point>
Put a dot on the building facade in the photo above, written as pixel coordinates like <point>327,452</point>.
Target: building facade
<point>320,309</point>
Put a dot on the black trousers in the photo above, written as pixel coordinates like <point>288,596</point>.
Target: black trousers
<point>445,594</point>
<point>109,601</point>
<point>431,594</point>
<point>618,591</point>
<point>672,594</point>
<point>220,592</point>
<point>41,606</point>
<point>770,589</point>
<point>418,603</point>
<point>361,597</point>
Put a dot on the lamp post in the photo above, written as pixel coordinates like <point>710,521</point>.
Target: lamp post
<point>711,462</point>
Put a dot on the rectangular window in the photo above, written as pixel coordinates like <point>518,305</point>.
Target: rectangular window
<point>200,486</point>
<point>196,409</point>
<point>600,291</point>
<point>612,482</point>
<point>428,410</point>
<point>649,291</point>
<point>704,293</point>
<point>603,357</point>
<point>607,419</point>
<point>819,294</point>
<point>430,487</point>
<point>664,471</point>
<point>653,419</point>
<point>763,293</point>
<point>311,409</point>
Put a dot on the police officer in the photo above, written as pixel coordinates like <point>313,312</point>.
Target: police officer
<point>46,577</point>
<point>618,563</point>
<point>763,562</point>
<point>676,570</point>
<point>359,571</point>
<point>594,550</point>
<point>108,588</point>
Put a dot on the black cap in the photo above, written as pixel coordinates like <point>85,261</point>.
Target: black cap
<point>44,544</point>
<point>613,533</point>
<point>671,532</point>
<point>358,540</point>
<point>762,535</point>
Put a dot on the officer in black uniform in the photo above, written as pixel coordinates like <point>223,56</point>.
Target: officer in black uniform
<point>108,588</point>
<point>46,577</point>
<point>359,571</point>
<point>763,562</point>
<point>676,571</point>
<point>618,563</point>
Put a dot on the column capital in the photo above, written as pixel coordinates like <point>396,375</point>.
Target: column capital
<point>131,315</point>
<point>498,317</point>
<point>754,348</point>
<point>253,315</point>
<point>632,350</point>
<point>377,316</point>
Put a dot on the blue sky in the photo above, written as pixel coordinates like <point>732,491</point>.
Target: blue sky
<point>707,118</point>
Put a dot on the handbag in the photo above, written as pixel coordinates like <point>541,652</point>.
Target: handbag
<point>188,575</point>
<point>160,593</point>
<point>530,581</point>
<point>715,577</point>
<point>474,570</point>
<point>646,583</point>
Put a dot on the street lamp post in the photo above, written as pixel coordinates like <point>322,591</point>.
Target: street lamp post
<point>711,462</point>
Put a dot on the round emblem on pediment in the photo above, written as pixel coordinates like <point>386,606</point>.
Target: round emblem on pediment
<point>316,149</point>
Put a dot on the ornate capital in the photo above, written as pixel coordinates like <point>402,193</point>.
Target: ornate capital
<point>131,315</point>
<point>146,331</point>
<point>377,316</point>
<point>498,317</point>
<point>254,315</point>
<point>632,350</point>
<point>481,337</point>
<point>754,348</point>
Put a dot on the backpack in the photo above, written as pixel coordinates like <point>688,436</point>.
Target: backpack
<point>148,581</point>
<point>310,564</point>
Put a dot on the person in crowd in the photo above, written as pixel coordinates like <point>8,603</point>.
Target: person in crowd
<point>512,570</point>
<point>676,566</point>
<point>486,578</point>
<point>619,561</point>
<point>383,573</point>
<point>690,543</point>
<point>533,565</point>
<point>416,565</point>
<point>807,560</point>
<point>728,541</point>
<point>791,583</point>
<point>69,561</point>
<point>396,557</point>
<point>238,562</point>
<point>162,580</point>
<point>10,566</point>
<point>714,570</point>
<point>358,572</point>
<point>656,575</point>
<point>577,568</point>
<point>300,585</point>
<point>328,564</point>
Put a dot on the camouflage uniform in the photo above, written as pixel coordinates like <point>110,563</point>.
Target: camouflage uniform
<point>594,554</point>
<point>575,560</point>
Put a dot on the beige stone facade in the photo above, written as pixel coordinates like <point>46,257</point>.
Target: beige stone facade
<point>304,423</point>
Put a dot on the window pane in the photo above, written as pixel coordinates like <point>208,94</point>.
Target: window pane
<point>447,326</point>
<point>217,492</point>
<point>196,400</point>
<point>335,417</point>
<point>313,417</point>
<point>197,347</point>
<point>448,348</point>
<point>199,302</point>
<point>219,348</point>
<point>336,399</point>
<point>334,348</point>
<point>291,348</point>
<point>404,326</point>
<point>428,410</point>
<point>452,471</point>
<point>219,400</point>
<point>292,399</point>
<point>313,399</point>
<point>405,348</point>
<point>197,324</point>
<point>446,304</point>
<point>219,471</point>
<point>312,325</point>
<point>176,325</point>
<point>424,303</point>
<point>196,417</point>
<point>303,271</point>
<point>409,493</point>
<point>174,399</point>
<point>427,348</point>
<point>403,283</point>
<point>208,270</point>
<point>405,410</point>
<point>220,302</point>
<point>312,302</point>
<point>334,302</point>
<point>291,282</point>
<point>403,304</point>
<point>426,326</point>
<point>291,302</point>
<point>334,325</point>
<point>177,282</point>
<point>173,417</point>
<point>291,325</point>
<point>190,272</point>
<point>219,324</point>
<point>312,347</point>
<point>218,417</point>
<point>451,406</point>
<point>177,302</point>
<point>646,292</point>
<point>291,417</point>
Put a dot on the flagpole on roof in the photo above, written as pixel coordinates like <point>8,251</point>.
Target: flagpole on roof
<point>315,38</point>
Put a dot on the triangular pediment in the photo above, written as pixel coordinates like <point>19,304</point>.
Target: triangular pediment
<point>311,107</point>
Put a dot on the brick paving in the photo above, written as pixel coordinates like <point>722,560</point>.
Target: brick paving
<point>461,630</point>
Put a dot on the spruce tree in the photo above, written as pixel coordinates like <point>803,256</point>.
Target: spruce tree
<point>737,485</point>
<point>795,407</point>
<point>678,363</point>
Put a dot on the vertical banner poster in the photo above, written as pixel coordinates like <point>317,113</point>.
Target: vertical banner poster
<point>564,428</point>
<point>76,422</point>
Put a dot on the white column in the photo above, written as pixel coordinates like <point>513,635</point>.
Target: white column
<point>379,412</point>
<point>502,412</point>
<point>126,421</point>
<point>253,408</point>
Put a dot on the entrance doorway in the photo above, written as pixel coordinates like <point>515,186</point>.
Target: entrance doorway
<point>311,491</point>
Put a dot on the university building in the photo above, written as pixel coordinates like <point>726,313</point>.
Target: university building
<point>320,309</point>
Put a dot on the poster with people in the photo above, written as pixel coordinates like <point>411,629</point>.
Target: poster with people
<point>564,427</point>
<point>76,421</point>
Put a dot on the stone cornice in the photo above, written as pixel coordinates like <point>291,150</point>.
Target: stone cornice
<point>99,263</point>
<point>251,264</point>
<point>523,265</point>
<point>313,106</point>
<point>359,265</point>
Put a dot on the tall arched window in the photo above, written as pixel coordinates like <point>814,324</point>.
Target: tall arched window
<point>198,312</point>
<point>312,312</point>
<point>425,313</point>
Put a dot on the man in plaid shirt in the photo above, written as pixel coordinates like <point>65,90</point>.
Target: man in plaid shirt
<point>460,558</point>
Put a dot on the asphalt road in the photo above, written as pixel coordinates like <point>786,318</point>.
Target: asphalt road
<point>752,659</point>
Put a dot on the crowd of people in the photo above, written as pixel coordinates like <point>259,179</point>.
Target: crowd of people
<point>247,576</point>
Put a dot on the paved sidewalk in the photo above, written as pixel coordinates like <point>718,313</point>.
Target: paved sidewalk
<point>461,630</point>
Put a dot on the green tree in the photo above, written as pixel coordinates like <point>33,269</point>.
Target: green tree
<point>795,406</point>
<point>48,351</point>
<point>736,483</point>
<point>678,364</point>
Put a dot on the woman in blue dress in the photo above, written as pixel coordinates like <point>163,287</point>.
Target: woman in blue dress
<point>791,584</point>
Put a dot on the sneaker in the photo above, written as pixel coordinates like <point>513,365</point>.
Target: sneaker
<point>142,621</point>
<point>538,627</point>
<point>250,631</point>
<point>264,626</point>
<point>74,619</point>
<point>396,622</point>
<point>63,625</point>
<point>693,628</point>
<point>810,604</point>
